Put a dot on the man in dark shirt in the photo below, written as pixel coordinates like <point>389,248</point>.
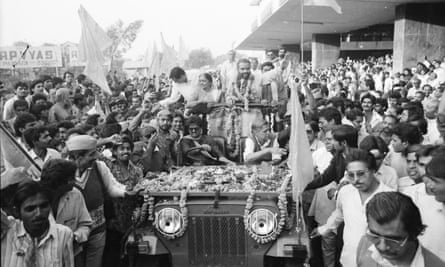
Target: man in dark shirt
<point>345,137</point>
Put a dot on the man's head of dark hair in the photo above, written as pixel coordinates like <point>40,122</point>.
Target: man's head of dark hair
<point>22,120</point>
<point>407,133</point>
<point>368,96</point>
<point>20,84</point>
<point>176,73</point>
<point>32,135</point>
<point>20,103</point>
<point>27,190</point>
<point>65,124</point>
<point>346,133</point>
<point>436,167</point>
<point>330,114</point>
<point>386,207</point>
<point>37,97</point>
<point>415,110</point>
<point>338,103</point>
<point>194,120</point>
<point>361,155</point>
<point>372,142</point>
<point>81,78</point>
<point>57,173</point>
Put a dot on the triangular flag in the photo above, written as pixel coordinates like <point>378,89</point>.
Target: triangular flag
<point>169,57</point>
<point>183,52</point>
<point>93,43</point>
<point>329,3</point>
<point>13,155</point>
<point>300,161</point>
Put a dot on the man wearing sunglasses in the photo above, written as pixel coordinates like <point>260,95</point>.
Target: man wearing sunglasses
<point>351,201</point>
<point>394,224</point>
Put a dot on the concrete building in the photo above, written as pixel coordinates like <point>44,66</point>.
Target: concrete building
<point>410,29</point>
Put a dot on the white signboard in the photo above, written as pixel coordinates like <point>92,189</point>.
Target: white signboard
<point>35,57</point>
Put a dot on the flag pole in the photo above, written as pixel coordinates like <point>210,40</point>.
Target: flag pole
<point>301,32</point>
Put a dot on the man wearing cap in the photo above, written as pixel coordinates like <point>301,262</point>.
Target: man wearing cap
<point>94,179</point>
<point>160,149</point>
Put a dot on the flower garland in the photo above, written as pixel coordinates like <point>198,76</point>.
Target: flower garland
<point>282,206</point>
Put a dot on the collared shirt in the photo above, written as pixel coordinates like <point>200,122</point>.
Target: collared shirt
<point>50,154</point>
<point>418,260</point>
<point>433,216</point>
<point>352,211</point>
<point>404,183</point>
<point>8,108</point>
<point>113,187</point>
<point>375,119</point>
<point>54,250</point>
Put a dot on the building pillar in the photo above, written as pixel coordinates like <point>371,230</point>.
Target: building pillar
<point>419,31</point>
<point>325,50</point>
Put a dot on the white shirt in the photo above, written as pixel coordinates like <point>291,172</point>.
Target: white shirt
<point>180,89</point>
<point>432,136</point>
<point>375,119</point>
<point>418,260</point>
<point>388,176</point>
<point>412,92</point>
<point>228,73</point>
<point>50,154</point>
<point>433,216</point>
<point>249,146</point>
<point>8,108</point>
<point>404,183</point>
<point>321,158</point>
<point>352,211</point>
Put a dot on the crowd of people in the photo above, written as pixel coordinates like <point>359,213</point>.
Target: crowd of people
<point>376,138</point>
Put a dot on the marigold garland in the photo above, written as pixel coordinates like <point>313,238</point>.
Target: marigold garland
<point>282,206</point>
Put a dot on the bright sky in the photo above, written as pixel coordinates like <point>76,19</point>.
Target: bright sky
<point>214,24</point>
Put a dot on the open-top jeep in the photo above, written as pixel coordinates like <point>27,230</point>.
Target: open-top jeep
<point>218,216</point>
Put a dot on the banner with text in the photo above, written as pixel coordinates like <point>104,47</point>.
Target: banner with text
<point>34,57</point>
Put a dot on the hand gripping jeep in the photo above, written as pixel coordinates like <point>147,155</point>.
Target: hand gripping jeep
<point>218,216</point>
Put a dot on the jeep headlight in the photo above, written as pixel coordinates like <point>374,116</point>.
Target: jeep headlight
<point>169,221</point>
<point>262,222</point>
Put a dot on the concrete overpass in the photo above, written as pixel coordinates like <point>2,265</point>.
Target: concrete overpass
<point>419,27</point>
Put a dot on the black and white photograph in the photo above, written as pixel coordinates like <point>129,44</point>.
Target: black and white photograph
<point>210,133</point>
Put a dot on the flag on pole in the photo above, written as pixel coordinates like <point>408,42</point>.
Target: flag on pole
<point>155,61</point>
<point>329,3</point>
<point>169,57</point>
<point>13,155</point>
<point>183,52</point>
<point>300,160</point>
<point>93,43</point>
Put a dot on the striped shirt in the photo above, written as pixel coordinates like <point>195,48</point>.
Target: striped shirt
<point>54,250</point>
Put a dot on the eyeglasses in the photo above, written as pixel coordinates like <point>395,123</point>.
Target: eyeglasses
<point>391,242</point>
<point>358,174</point>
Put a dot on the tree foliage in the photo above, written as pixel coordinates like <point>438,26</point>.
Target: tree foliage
<point>122,37</point>
<point>199,58</point>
